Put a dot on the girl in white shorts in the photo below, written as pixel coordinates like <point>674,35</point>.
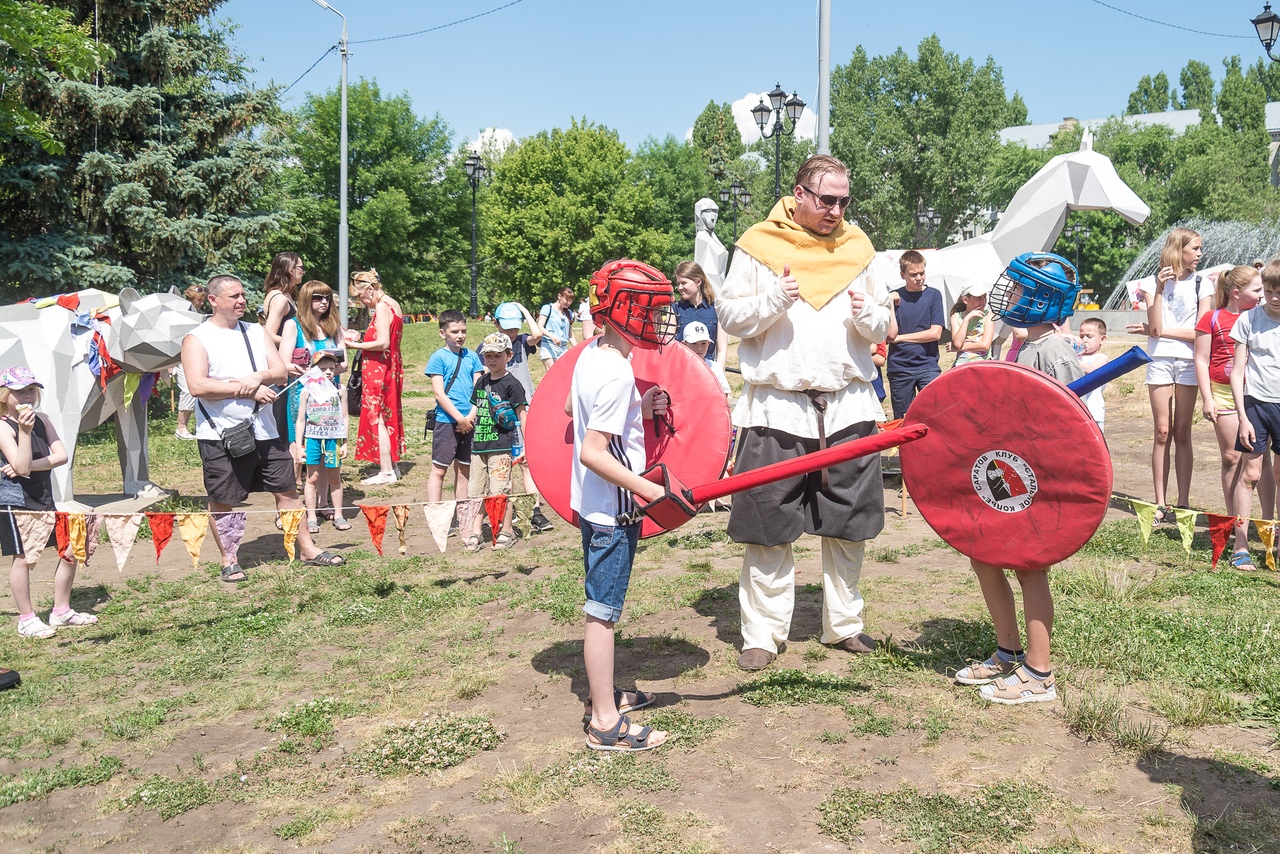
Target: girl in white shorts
<point>1176,298</point>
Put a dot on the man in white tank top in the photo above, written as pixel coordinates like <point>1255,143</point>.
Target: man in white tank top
<point>230,369</point>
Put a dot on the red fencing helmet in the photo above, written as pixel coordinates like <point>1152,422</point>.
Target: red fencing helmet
<point>635,299</point>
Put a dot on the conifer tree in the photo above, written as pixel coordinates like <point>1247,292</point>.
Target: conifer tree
<point>165,153</point>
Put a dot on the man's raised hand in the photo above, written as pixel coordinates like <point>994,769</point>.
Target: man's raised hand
<point>789,284</point>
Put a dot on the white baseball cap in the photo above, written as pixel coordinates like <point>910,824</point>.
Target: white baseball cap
<point>696,332</point>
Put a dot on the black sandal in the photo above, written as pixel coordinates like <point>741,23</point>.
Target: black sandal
<point>619,737</point>
<point>234,569</point>
<point>325,559</point>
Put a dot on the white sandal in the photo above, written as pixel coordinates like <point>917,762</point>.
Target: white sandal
<point>34,627</point>
<point>72,618</point>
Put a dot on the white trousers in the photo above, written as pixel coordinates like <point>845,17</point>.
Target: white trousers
<point>767,593</point>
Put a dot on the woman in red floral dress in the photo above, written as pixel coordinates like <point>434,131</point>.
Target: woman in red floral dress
<point>381,437</point>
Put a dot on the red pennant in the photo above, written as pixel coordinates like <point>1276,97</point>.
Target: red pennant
<point>62,532</point>
<point>495,507</point>
<point>1221,529</point>
<point>70,302</point>
<point>161,530</point>
<point>377,519</point>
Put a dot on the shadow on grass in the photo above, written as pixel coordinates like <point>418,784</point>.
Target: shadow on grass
<point>1234,808</point>
<point>650,658</point>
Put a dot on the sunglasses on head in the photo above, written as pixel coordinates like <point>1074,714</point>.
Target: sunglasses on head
<point>829,201</point>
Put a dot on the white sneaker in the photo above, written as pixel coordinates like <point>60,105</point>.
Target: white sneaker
<point>185,435</point>
<point>380,479</point>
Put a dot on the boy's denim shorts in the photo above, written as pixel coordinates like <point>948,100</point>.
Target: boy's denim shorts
<point>608,551</point>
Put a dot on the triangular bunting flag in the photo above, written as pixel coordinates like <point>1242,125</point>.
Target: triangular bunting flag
<point>401,512</point>
<point>34,526</point>
<point>122,530</point>
<point>1267,533</point>
<point>62,533</point>
<point>495,507</point>
<point>467,510</point>
<point>92,523</point>
<point>161,525</point>
<point>292,520</point>
<point>1146,514</point>
<point>229,529</point>
<point>377,519</point>
<point>1221,529</point>
<point>1186,526</point>
<point>192,528</point>
<point>76,535</point>
<point>439,514</point>
<point>523,505</point>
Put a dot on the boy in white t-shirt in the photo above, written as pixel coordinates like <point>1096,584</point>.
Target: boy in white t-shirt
<point>631,301</point>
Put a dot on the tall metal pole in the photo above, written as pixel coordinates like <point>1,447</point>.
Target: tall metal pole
<point>344,246</point>
<point>777,160</point>
<point>344,267</point>
<point>475,307</point>
<point>824,76</point>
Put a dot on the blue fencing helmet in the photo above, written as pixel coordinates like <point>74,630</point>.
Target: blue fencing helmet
<point>1036,287</point>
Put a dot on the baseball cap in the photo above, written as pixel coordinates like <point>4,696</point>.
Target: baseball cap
<point>336,355</point>
<point>696,332</point>
<point>18,377</point>
<point>974,289</point>
<point>508,315</point>
<point>495,342</point>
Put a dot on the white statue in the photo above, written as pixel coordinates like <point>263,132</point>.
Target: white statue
<point>61,345</point>
<point>708,252</point>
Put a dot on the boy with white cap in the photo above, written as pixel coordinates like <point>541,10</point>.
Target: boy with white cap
<point>697,337</point>
<point>508,318</point>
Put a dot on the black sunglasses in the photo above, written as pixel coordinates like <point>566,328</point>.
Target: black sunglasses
<point>829,201</point>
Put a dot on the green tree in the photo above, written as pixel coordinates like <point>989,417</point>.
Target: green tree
<point>717,139</point>
<point>40,40</point>
<point>1197,88</point>
<point>677,177</point>
<point>562,203</point>
<point>920,131</point>
<point>1267,74</point>
<point>1151,96</point>
<point>409,205</point>
<point>164,161</point>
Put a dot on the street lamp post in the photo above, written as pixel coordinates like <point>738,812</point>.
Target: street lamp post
<point>927,220</point>
<point>1268,26</point>
<point>475,171</point>
<point>1078,234</point>
<point>739,196</point>
<point>779,102</point>
<point>344,256</point>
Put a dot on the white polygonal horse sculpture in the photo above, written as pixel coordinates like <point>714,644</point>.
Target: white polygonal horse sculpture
<point>144,335</point>
<point>1081,180</point>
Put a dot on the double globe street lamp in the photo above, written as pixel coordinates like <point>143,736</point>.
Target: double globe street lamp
<point>475,171</point>
<point>739,196</point>
<point>779,102</point>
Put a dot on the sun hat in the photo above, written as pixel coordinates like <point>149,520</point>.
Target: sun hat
<point>696,332</point>
<point>495,342</point>
<point>18,377</point>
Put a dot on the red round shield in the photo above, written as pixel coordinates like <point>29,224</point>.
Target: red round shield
<point>694,443</point>
<point>1014,472</point>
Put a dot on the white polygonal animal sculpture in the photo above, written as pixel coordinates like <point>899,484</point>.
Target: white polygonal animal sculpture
<point>143,335</point>
<point>1081,180</point>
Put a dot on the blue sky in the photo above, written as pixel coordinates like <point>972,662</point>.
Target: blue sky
<point>648,68</point>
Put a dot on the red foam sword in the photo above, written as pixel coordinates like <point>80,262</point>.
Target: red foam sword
<point>681,503</point>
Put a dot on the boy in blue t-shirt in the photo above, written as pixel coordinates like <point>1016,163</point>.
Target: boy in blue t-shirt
<point>917,324</point>
<point>453,370</point>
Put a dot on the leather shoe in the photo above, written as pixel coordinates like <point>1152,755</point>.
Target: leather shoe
<point>859,643</point>
<point>755,659</point>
